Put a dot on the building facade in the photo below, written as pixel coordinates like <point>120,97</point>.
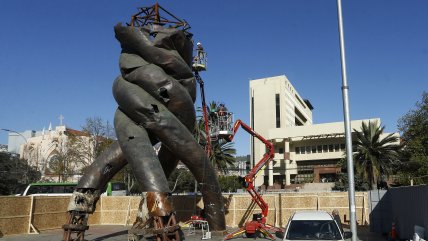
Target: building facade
<point>16,140</point>
<point>50,153</point>
<point>274,103</point>
<point>304,152</point>
<point>309,153</point>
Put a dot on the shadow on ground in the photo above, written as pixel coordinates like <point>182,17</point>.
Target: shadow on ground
<point>105,237</point>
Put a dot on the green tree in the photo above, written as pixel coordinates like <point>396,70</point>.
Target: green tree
<point>223,154</point>
<point>15,173</point>
<point>230,183</point>
<point>413,127</point>
<point>341,183</point>
<point>376,155</point>
<point>181,180</point>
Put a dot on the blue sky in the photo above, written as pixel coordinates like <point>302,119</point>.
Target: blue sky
<point>61,57</point>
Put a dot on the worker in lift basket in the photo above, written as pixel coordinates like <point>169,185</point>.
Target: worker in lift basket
<point>199,47</point>
<point>222,112</point>
<point>199,53</point>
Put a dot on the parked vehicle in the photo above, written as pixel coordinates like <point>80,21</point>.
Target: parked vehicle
<point>314,225</point>
<point>49,189</point>
<point>116,189</point>
<point>67,188</point>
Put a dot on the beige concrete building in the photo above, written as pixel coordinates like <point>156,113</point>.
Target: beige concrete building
<point>308,153</point>
<point>304,152</point>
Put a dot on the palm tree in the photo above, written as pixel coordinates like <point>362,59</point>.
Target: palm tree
<point>375,156</point>
<point>222,155</point>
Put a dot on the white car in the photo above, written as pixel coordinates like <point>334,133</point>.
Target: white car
<point>314,225</point>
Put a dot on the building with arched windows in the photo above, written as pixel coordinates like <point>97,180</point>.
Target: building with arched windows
<point>49,151</point>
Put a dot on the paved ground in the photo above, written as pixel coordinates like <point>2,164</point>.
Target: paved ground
<point>120,233</point>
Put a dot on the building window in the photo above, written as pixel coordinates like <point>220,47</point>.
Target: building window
<point>308,150</point>
<point>342,147</point>
<point>299,116</point>
<point>278,111</point>
<point>314,149</point>
<point>336,147</point>
<point>319,149</point>
<point>325,148</point>
<point>302,150</point>
<point>281,150</point>
<point>330,148</point>
<point>297,150</point>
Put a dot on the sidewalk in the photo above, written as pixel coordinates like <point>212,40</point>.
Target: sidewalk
<point>364,234</point>
<point>120,233</point>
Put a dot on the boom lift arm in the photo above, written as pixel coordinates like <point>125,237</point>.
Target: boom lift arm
<point>208,147</point>
<point>250,177</point>
<point>258,224</point>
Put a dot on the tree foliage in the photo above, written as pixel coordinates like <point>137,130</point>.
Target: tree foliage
<point>376,156</point>
<point>414,133</point>
<point>342,183</point>
<point>182,180</point>
<point>63,162</point>
<point>15,173</point>
<point>230,183</point>
<point>101,133</point>
<point>223,153</point>
<point>97,136</point>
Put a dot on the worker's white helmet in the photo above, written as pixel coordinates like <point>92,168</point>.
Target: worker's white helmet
<point>198,43</point>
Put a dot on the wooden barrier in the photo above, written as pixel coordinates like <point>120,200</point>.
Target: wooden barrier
<point>20,214</point>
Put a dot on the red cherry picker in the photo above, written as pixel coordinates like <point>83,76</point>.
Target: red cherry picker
<point>220,128</point>
<point>258,224</point>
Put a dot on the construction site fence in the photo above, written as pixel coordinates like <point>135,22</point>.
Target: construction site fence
<point>401,207</point>
<point>19,215</point>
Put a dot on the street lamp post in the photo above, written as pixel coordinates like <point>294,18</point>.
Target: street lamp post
<point>347,122</point>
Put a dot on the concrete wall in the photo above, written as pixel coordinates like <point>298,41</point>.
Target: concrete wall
<point>17,213</point>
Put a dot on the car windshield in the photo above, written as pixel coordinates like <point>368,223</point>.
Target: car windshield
<point>313,230</point>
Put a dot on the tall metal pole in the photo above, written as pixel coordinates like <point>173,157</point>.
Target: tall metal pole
<point>345,88</point>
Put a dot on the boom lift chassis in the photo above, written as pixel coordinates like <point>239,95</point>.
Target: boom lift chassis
<point>258,224</point>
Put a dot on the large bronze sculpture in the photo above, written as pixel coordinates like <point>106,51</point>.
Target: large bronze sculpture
<point>155,94</point>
